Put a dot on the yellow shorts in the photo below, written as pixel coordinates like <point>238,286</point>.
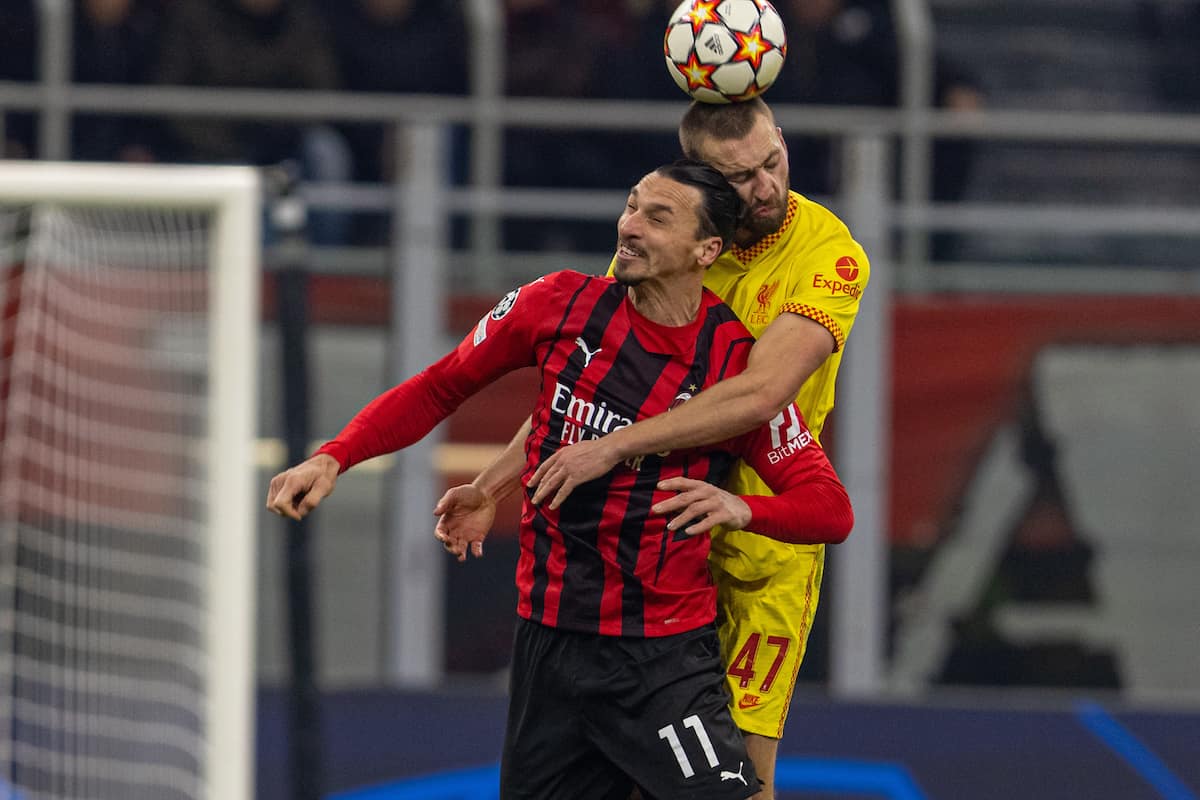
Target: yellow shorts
<point>763,624</point>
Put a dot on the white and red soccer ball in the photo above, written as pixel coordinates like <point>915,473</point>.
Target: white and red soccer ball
<point>724,51</point>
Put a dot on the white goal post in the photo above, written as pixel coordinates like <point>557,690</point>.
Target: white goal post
<point>128,405</point>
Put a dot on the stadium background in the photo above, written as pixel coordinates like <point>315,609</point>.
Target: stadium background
<point>1041,632</point>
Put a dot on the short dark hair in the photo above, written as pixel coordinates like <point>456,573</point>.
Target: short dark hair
<point>720,209</point>
<point>719,121</point>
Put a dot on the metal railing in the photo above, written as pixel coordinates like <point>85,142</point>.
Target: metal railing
<point>488,114</point>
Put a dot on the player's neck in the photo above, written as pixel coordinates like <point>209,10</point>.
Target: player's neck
<point>673,302</point>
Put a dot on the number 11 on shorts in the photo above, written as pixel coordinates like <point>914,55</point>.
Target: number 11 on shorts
<point>685,764</point>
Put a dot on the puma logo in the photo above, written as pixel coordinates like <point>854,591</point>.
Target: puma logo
<point>726,775</point>
<point>587,354</point>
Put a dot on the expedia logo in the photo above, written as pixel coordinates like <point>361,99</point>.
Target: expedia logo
<point>835,286</point>
<point>847,268</point>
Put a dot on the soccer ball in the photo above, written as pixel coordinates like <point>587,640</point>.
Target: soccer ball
<point>723,51</point>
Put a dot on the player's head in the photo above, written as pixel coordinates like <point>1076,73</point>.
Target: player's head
<point>677,219</point>
<point>744,143</point>
<point>721,208</point>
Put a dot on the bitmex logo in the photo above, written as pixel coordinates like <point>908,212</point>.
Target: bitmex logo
<point>788,435</point>
<point>847,268</point>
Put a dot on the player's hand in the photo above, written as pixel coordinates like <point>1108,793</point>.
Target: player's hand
<point>699,507</point>
<point>465,515</point>
<point>296,491</point>
<point>574,464</point>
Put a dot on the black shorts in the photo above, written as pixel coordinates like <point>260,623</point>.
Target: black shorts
<point>590,716</point>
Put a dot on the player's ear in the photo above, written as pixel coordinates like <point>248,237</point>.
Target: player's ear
<point>708,249</point>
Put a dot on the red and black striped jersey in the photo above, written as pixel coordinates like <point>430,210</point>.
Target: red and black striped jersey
<point>602,562</point>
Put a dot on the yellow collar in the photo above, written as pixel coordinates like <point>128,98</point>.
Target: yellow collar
<point>764,244</point>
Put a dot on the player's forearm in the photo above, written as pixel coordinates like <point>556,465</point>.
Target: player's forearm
<point>818,512</point>
<point>722,411</point>
<point>503,476</point>
<point>392,421</point>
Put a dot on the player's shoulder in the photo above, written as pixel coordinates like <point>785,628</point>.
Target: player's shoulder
<point>565,283</point>
<point>541,299</point>
<point>821,241</point>
<point>815,218</point>
<point>723,317</point>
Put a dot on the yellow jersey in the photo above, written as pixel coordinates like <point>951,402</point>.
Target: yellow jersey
<point>812,267</point>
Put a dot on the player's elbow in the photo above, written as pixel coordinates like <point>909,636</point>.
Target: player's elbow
<point>764,405</point>
<point>841,520</point>
<point>840,530</point>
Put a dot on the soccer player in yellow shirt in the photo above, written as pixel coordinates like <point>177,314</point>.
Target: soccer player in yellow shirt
<point>795,277</point>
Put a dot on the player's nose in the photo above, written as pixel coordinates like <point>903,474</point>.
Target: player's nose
<point>764,185</point>
<point>629,224</point>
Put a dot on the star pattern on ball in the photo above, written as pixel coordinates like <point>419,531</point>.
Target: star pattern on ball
<point>699,76</point>
<point>751,47</point>
<point>702,13</point>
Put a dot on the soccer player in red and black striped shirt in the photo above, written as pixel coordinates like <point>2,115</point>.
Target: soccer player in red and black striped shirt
<point>616,674</point>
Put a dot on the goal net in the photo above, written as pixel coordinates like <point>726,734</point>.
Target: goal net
<point>128,342</point>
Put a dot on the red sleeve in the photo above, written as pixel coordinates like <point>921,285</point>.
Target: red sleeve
<point>504,339</point>
<point>811,505</point>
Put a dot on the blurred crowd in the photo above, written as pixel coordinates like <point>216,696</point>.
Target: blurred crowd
<point>841,52</point>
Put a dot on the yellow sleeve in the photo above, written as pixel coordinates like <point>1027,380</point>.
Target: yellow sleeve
<point>827,287</point>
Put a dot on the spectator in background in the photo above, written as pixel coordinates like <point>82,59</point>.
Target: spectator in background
<point>845,52</point>
<point>553,47</point>
<point>1173,28</point>
<point>266,44</point>
<point>18,62</point>
<point>639,74</point>
<point>406,46</point>
<point>115,42</point>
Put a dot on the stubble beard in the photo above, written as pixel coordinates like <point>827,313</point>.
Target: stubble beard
<point>757,228</point>
<point>626,279</point>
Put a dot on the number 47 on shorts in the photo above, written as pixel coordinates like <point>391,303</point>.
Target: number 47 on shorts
<point>742,665</point>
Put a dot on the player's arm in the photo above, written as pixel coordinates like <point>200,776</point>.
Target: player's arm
<point>405,413</point>
<point>465,513</point>
<point>810,505</point>
<point>789,351</point>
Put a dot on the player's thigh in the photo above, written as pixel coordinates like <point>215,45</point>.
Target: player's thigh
<point>669,726</point>
<point>547,754</point>
<point>588,776</point>
<point>764,634</point>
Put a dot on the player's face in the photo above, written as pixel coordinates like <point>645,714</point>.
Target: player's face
<point>757,166</point>
<point>658,234</point>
